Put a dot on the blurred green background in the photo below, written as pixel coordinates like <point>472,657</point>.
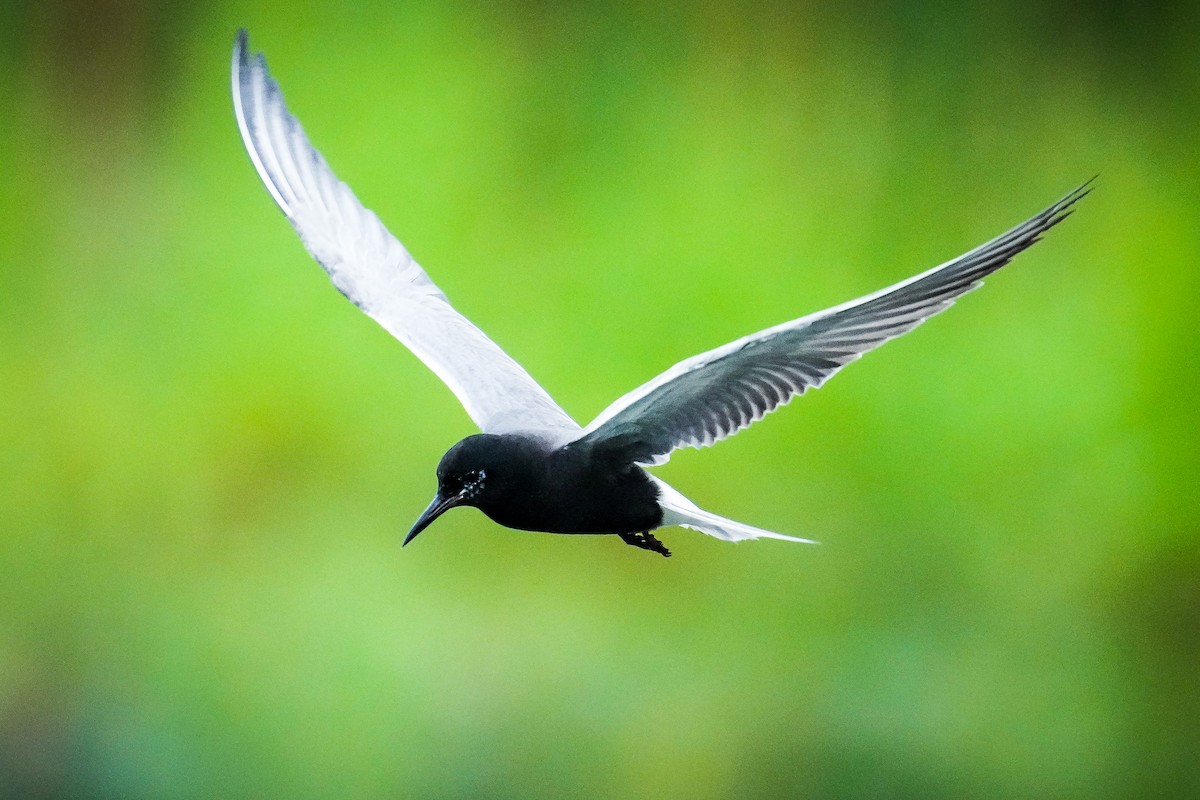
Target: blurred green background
<point>208,458</point>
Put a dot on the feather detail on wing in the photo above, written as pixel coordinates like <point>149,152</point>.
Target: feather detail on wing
<point>371,268</point>
<point>715,394</point>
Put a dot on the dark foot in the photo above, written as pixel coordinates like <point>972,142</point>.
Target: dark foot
<point>646,541</point>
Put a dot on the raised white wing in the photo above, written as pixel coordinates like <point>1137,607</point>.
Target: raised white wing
<point>715,394</point>
<point>372,268</point>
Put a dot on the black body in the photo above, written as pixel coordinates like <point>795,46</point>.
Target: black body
<point>521,482</point>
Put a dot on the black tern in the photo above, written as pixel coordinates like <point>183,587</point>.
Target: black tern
<point>532,467</point>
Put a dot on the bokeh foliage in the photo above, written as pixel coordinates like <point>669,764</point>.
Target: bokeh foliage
<point>208,459</point>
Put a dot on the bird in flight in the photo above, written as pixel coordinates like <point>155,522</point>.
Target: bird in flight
<point>532,467</point>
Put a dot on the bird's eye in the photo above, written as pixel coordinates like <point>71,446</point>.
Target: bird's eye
<point>472,482</point>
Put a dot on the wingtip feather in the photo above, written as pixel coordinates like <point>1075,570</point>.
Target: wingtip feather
<point>250,79</point>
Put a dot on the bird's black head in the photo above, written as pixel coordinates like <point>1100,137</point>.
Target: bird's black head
<point>466,476</point>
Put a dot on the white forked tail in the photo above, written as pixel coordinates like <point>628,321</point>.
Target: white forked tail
<point>678,510</point>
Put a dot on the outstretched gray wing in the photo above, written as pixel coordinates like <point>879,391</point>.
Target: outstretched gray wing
<point>372,268</point>
<point>715,394</point>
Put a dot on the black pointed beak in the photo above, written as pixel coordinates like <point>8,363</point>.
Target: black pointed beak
<point>439,506</point>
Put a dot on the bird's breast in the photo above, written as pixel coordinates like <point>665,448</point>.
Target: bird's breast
<point>572,493</point>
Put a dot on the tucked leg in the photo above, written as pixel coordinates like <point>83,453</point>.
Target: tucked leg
<point>646,541</point>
